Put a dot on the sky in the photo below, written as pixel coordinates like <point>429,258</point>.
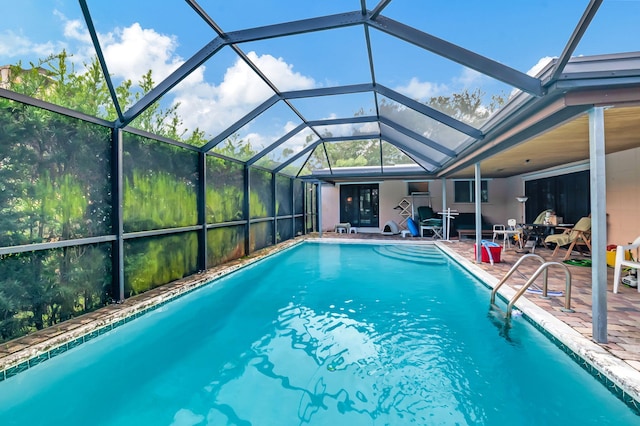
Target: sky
<point>137,36</point>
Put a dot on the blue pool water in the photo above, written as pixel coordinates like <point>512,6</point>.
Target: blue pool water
<point>321,334</point>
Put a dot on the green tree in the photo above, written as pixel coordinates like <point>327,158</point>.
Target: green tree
<point>468,107</point>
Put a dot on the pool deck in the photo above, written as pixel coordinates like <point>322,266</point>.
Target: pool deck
<point>619,357</point>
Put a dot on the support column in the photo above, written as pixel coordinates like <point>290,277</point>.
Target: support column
<point>478,195</point>
<point>117,204</point>
<point>292,197</point>
<point>246,210</point>
<point>445,223</point>
<point>319,208</point>
<point>274,194</point>
<point>202,211</point>
<point>598,224</point>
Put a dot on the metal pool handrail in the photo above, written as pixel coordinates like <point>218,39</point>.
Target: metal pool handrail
<point>542,269</point>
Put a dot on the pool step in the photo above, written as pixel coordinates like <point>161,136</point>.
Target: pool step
<point>414,254</point>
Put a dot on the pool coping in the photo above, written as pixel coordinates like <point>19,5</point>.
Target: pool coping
<point>33,349</point>
<point>615,374</point>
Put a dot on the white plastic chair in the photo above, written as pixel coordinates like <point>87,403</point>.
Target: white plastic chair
<point>507,232</point>
<point>498,229</point>
<point>622,262</point>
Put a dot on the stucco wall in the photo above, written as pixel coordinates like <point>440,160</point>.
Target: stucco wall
<point>623,196</point>
<point>502,204</point>
<point>330,203</point>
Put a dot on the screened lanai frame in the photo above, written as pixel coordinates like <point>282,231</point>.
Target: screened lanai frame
<point>292,199</point>
<point>455,136</point>
<point>365,18</point>
<point>432,156</point>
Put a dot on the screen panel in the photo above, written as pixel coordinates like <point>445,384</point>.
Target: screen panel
<point>225,190</point>
<point>224,244</point>
<point>260,194</point>
<point>154,261</point>
<point>285,230</point>
<point>43,288</point>
<point>54,176</point>
<point>284,198</point>
<point>157,175</point>
<point>260,235</point>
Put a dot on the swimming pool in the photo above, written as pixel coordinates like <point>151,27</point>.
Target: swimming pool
<point>341,334</point>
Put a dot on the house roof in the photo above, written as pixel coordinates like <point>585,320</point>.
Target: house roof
<point>357,105</point>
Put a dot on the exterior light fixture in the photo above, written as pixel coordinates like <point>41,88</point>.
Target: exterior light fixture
<point>522,199</point>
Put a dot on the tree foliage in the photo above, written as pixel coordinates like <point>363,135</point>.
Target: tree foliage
<point>55,184</point>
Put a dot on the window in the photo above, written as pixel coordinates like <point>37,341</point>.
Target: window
<point>417,187</point>
<point>465,191</point>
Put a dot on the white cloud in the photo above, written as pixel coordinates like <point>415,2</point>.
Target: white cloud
<point>348,129</point>
<point>543,62</point>
<point>281,73</point>
<point>213,108</point>
<point>75,40</point>
<point>469,78</point>
<point>368,128</point>
<point>421,90</point>
<point>18,46</point>
<point>296,143</point>
<point>290,126</point>
<point>75,31</point>
<point>534,71</point>
<point>132,51</point>
<point>258,141</point>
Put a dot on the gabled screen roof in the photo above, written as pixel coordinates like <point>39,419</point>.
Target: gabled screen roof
<point>325,89</point>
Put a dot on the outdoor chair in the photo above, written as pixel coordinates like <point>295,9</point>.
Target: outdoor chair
<point>621,262</point>
<point>537,231</point>
<point>428,221</point>
<point>578,236</point>
<point>343,227</point>
<point>508,232</point>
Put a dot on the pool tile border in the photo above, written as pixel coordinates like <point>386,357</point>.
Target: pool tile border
<point>529,312</point>
<point>612,386</point>
<point>20,361</point>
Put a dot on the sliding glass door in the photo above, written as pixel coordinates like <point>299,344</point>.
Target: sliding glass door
<point>359,205</point>
<point>568,195</point>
